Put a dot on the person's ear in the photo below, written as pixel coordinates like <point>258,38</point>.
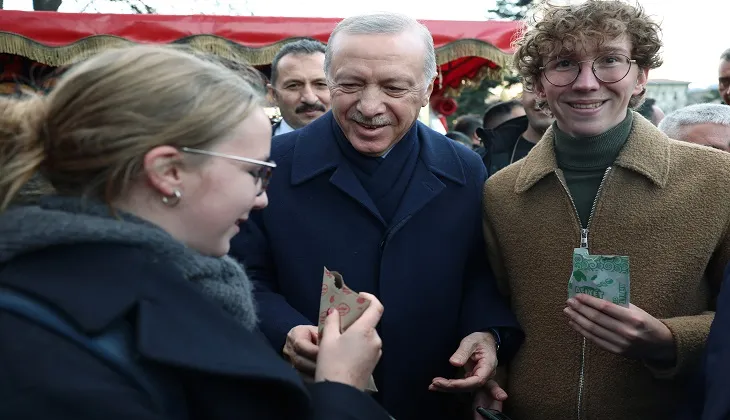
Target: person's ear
<point>163,170</point>
<point>271,94</point>
<point>427,95</point>
<point>641,80</point>
<point>539,90</point>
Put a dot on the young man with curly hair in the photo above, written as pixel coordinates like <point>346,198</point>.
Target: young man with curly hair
<point>604,181</point>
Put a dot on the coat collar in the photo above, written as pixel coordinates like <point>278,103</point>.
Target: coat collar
<point>647,152</point>
<point>316,152</point>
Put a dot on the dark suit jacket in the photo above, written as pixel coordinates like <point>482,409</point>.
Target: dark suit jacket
<point>211,367</point>
<point>428,267</point>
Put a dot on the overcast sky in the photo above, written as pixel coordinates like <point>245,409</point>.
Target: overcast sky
<point>692,44</point>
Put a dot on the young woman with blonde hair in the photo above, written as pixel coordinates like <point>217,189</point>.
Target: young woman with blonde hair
<point>154,157</point>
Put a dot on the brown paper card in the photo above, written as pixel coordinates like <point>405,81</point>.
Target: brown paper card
<point>335,294</point>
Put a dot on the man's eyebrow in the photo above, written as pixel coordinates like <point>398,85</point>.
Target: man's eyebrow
<point>353,76</point>
<point>599,51</point>
<point>610,49</point>
<point>398,79</point>
<point>291,80</point>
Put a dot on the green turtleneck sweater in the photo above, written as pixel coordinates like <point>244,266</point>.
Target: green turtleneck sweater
<point>584,161</point>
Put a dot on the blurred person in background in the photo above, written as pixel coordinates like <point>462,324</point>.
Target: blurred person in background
<point>496,114</point>
<point>513,139</point>
<point>651,111</point>
<point>468,124</point>
<point>723,79</point>
<point>298,86</point>
<point>502,111</point>
<point>704,124</point>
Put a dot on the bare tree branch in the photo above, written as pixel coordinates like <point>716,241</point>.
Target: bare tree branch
<point>138,6</point>
<point>88,3</point>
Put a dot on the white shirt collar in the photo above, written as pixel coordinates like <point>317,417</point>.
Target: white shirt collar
<point>283,128</point>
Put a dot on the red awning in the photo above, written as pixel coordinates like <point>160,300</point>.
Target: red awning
<point>465,50</point>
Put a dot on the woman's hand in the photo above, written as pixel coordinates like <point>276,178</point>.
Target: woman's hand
<point>350,357</point>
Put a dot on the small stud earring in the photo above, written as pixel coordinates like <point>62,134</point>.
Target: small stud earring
<point>172,200</point>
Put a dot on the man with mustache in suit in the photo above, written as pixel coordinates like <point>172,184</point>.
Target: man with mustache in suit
<point>298,85</point>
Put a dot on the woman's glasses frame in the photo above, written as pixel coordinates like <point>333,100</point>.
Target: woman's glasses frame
<point>263,174</point>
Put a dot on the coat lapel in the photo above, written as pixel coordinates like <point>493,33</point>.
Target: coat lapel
<point>538,163</point>
<point>316,152</point>
<point>424,187</point>
<point>437,157</point>
<point>647,152</point>
<point>346,180</point>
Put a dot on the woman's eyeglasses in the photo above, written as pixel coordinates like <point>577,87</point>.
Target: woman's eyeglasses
<point>262,175</point>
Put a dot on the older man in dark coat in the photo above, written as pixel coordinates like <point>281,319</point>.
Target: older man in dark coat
<point>395,207</point>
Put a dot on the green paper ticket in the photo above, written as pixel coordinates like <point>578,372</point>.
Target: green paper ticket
<point>605,277</point>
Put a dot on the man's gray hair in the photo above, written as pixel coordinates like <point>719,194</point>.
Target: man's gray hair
<point>725,55</point>
<point>673,123</point>
<point>302,47</point>
<point>385,23</point>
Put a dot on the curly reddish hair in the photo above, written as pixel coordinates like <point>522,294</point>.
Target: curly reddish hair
<point>560,30</point>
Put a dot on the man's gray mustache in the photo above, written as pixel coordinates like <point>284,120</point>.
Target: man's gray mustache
<point>377,121</point>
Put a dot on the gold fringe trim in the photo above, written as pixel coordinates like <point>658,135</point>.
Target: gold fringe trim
<point>231,50</point>
<point>11,43</point>
<point>474,82</point>
<point>472,48</point>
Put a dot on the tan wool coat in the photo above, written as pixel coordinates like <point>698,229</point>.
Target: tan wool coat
<point>666,205</point>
